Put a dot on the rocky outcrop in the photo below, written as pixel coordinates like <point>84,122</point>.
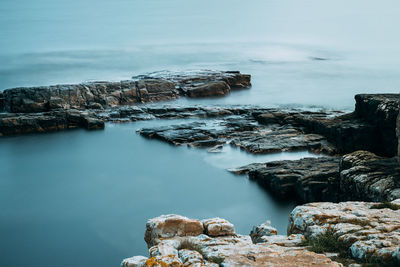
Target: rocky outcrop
<point>11,124</point>
<point>41,109</point>
<point>360,175</point>
<point>140,89</point>
<point>370,127</point>
<point>365,176</point>
<point>241,131</point>
<point>221,248</point>
<point>305,180</point>
<point>381,111</point>
<point>369,231</point>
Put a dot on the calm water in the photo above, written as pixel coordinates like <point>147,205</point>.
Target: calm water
<point>82,198</point>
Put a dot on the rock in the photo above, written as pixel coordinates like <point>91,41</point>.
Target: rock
<point>218,227</point>
<point>370,127</point>
<point>264,229</point>
<point>191,257</point>
<point>167,226</point>
<point>365,176</point>
<point>305,180</point>
<point>227,250</point>
<point>152,88</point>
<point>241,131</point>
<point>137,261</point>
<point>211,89</point>
<point>370,233</point>
<point>268,141</point>
<point>381,111</point>
<point>11,124</point>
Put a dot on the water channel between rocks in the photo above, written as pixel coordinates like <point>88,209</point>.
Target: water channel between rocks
<point>79,197</point>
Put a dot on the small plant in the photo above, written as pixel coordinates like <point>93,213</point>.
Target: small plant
<point>216,259</point>
<point>327,242</point>
<point>386,205</point>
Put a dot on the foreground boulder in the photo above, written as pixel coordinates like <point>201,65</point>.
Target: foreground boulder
<point>368,231</point>
<point>167,226</point>
<point>219,245</point>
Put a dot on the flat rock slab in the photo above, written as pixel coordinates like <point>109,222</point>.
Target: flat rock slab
<point>145,88</point>
<point>11,124</point>
<point>241,131</point>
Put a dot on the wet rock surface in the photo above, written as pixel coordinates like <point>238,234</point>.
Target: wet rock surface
<point>370,232</point>
<point>230,249</point>
<point>241,131</point>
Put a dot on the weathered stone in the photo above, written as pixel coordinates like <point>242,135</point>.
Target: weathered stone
<point>381,111</point>
<point>158,87</point>
<point>137,261</point>
<point>210,89</point>
<point>218,227</point>
<point>241,131</point>
<point>231,250</point>
<point>369,231</point>
<point>365,176</point>
<point>305,180</point>
<point>370,127</point>
<point>11,124</point>
<point>167,226</point>
<point>264,229</point>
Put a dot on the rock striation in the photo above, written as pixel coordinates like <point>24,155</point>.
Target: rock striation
<point>360,175</point>
<point>365,176</point>
<point>305,180</point>
<point>141,89</point>
<point>219,245</point>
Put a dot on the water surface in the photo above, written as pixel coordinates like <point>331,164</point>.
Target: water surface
<point>82,198</point>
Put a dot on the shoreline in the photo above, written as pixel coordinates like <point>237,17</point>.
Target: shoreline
<point>358,157</point>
